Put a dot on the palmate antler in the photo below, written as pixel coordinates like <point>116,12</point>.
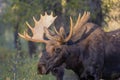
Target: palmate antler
<point>78,29</point>
<point>38,30</point>
<point>41,27</point>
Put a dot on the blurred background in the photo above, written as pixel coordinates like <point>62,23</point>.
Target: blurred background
<point>18,58</point>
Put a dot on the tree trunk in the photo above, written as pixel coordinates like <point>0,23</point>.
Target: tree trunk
<point>95,8</point>
<point>31,45</point>
<point>60,11</point>
<point>17,42</point>
<point>32,48</point>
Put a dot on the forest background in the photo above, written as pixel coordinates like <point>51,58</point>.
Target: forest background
<point>18,58</point>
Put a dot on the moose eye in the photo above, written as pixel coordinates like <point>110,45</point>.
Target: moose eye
<point>57,50</point>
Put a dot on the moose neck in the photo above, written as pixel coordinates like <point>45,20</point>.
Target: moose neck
<point>73,60</point>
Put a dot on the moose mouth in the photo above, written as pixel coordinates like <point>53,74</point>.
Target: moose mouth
<point>53,68</point>
<point>42,70</point>
<point>47,71</point>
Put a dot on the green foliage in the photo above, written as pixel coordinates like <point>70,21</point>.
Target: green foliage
<point>21,11</point>
<point>15,68</point>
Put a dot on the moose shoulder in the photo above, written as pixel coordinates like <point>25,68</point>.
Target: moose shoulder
<point>87,49</point>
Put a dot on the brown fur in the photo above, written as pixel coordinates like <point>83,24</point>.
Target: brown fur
<point>89,56</point>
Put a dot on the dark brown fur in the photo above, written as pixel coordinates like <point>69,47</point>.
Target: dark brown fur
<point>96,55</point>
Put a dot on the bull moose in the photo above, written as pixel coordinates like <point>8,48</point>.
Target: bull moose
<point>59,71</point>
<point>87,50</point>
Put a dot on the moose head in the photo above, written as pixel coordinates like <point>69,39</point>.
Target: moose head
<point>57,41</point>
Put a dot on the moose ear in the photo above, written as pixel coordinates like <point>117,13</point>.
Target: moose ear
<point>58,49</point>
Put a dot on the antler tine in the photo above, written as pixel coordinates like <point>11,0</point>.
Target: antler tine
<point>84,14</point>
<point>35,19</point>
<point>48,34</point>
<point>22,36</point>
<point>71,31</point>
<point>85,17</point>
<point>51,13</point>
<point>28,25</point>
<point>56,30</point>
<point>62,32</point>
<point>41,15</point>
<point>78,20</point>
